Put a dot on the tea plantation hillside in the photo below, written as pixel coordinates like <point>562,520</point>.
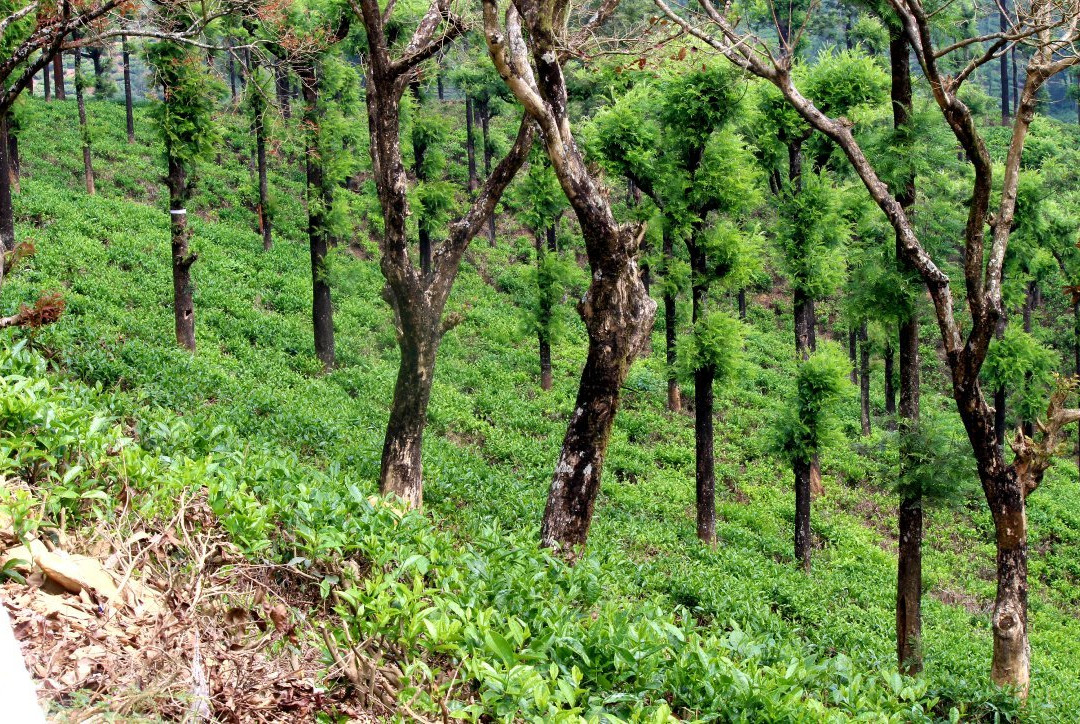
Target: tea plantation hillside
<point>646,625</point>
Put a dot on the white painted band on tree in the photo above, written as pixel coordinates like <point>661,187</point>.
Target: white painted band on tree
<point>178,212</point>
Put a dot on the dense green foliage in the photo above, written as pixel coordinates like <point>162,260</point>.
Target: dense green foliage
<point>648,622</point>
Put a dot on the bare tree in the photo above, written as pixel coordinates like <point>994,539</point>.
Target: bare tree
<point>617,311</point>
<point>417,298</point>
<point>1049,30</point>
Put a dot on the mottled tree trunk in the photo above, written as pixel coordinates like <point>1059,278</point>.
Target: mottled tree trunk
<point>182,258</point>
<point>46,80</point>
<point>1012,652</point>
<point>618,316</point>
<point>80,101</point>
<point>128,110</point>
<point>864,380</point>
<point>322,313</point>
<point>670,327</point>
<point>401,460</point>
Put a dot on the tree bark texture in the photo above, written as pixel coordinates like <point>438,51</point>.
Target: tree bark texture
<point>182,258</point>
<point>129,113</point>
<point>910,519</point>
<point>803,542</point>
<point>322,311</point>
<point>80,101</point>
<point>7,211</point>
<point>704,442</point>
<point>674,396</point>
<point>416,299</point>
<point>964,342</point>
<point>258,122</point>
<point>617,312</point>
<point>543,328</point>
<point>889,353</point>
<point>59,91</point>
<point>483,110</point>
<point>853,355</point>
<point>864,380</point>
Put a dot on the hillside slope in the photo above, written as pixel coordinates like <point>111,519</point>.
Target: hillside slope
<point>648,621</point>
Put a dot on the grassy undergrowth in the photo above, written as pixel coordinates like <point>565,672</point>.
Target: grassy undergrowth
<point>647,623</point>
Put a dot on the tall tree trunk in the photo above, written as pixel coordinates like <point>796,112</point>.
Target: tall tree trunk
<point>704,444</point>
<point>670,323</point>
<point>853,354</point>
<point>618,316</point>
<point>281,87</point>
<point>803,541</point>
<point>890,381</point>
<point>322,313</point>
<point>99,68</point>
<point>401,460</point>
<point>230,65</point>
<point>128,110</point>
<point>80,101</point>
<point>14,164</point>
<point>617,313</point>
<point>742,303</point>
<point>182,258</point>
<point>543,327</point>
<point>470,145</point>
<point>910,522</point>
<point>910,518</point>
<point>1076,366</point>
<point>7,212</point>
<point>864,380</point>
<point>807,472</point>
<point>46,80</point>
<point>1012,652</point>
<point>483,110</point>
<point>258,122</point>
<point>265,225</point>
<point>59,91</point>
<point>805,319</point>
